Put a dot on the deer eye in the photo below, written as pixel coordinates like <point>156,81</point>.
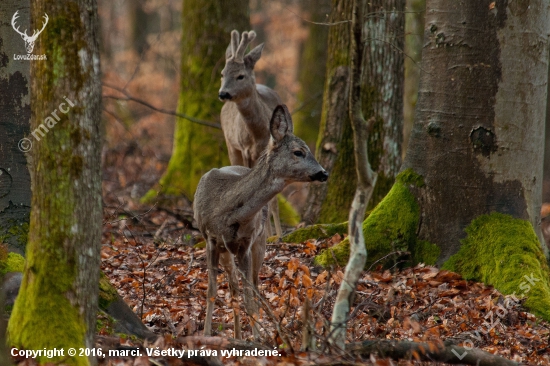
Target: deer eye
<point>240,77</point>
<point>299,153</point>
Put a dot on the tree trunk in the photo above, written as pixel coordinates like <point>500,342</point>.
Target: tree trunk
<point>382,102</point>
<point>383,82</point>
<point>330,202</point>
<point>480,147</point>
<point>366,180</point>
<point>15,112</point>
<point>470,196</point>
<point>414,27</point>
<point>312,72</point>
<point>57,302</point>
<point>206,31</point>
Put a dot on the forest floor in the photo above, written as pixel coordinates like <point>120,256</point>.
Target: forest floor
<point>149,255</point>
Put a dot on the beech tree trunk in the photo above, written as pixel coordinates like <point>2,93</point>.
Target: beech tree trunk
<point>478,139</point>
<point>382,102</point>
<point>57,302</point>
<point>366,180</point>
<point>15,113</point>
<point>206,29</point>
<point>383,87</point>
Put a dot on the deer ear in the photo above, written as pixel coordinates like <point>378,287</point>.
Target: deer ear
<point>228,53</point>
<point>253,56</point>
<point>280,124</point>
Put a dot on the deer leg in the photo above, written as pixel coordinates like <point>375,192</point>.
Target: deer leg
<point>274,209</point>
<point>228,263</point>
<point>212,260</point>
<point>245,267</point>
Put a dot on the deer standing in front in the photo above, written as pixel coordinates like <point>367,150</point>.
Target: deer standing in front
<point>231,210</point>
<point>245,115</point>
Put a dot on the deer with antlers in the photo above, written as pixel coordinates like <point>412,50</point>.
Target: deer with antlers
<point>230,208</point>
<point>248,108</point>
<point>29,40</point>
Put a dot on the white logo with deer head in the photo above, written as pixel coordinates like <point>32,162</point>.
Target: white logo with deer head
<point>29,40</point>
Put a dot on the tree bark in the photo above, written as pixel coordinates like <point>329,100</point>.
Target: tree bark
<point>330,202</point>
<point>383,87</point>
<point>57,302</point>
<point>15,113</point>
<point>312,72</point>
<point>366,180</point>
<point>207,26</point>
<point>478,138</point>
<point>382,101</point>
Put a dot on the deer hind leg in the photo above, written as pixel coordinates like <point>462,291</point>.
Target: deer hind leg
<point>245,267</point>
<point>228,263</point>
<point>212,260</point>
<point>274,211</point>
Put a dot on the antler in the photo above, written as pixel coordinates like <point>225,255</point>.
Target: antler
<point>36,33</point>
<point>15,16</point>
<point>247,37</point>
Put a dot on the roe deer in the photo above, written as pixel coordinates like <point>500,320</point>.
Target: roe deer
<point>245,115</point>
<point>231,209</point>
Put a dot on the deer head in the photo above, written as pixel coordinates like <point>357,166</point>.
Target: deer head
<point>29,41</point>
<point>288,156</point>
<point>238,79</point>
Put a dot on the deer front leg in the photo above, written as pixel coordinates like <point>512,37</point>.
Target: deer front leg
<point>245,267</point>
<point>228,263</point>
<point>212,260</point>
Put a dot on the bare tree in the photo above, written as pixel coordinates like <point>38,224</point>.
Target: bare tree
<point>382,101</point>
<point>366,180</point>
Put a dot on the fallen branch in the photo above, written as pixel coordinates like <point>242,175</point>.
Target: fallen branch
<point>451,354</point>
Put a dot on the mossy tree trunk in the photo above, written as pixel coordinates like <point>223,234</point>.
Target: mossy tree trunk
<point>382,101</point>
<point>15,113</point>
<point>206,29</point>
<point>57,301</point>
<point>470,196</point>
<point>312,72</point>
<point>334,149</point>
<point>383,83</point>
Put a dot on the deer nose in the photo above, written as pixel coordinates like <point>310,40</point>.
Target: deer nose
<point>321,176</point>
<point>224,96</point>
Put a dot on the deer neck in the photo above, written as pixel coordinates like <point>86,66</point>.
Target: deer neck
<point>251,108</point>
<point>255,190</point>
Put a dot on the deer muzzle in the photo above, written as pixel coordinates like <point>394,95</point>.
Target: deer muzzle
<point>224,96</point>
<point>320,176</point>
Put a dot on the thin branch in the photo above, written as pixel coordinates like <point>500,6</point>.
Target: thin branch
<point>128,97</point>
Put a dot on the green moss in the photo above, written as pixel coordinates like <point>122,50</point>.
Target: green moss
<point>14,263</point>
<point>287,213</point>
<point>425,252</point>
<point>504,252</point>
<point>200,245</point>
<point>320,231</point>
<point>390,227</point>
<point>107,292</point>
<point>409,177</point>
